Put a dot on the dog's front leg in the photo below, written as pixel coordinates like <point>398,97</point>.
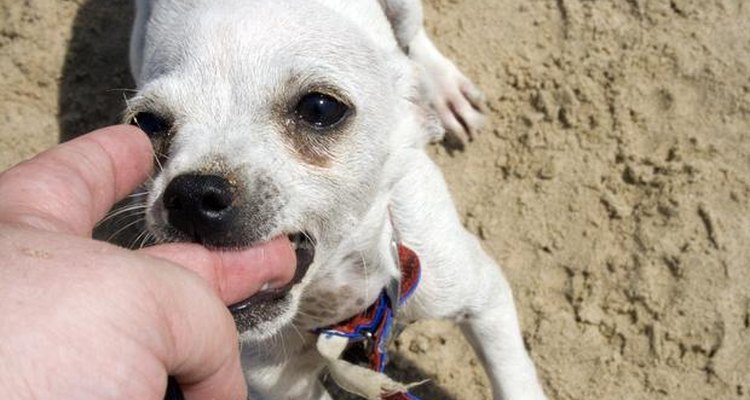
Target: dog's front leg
<point>285,369</point>
<point>457,101</point>
<point>460,281</point>
<point>491,325</point>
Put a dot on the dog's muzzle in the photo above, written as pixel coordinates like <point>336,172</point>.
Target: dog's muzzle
<point>209,210</point>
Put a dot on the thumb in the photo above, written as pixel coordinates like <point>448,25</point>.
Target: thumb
<point>234,275</point>
<point>202,347</point>
<point>68,188</point>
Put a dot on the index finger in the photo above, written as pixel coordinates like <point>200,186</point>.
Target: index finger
<point>69,188</point>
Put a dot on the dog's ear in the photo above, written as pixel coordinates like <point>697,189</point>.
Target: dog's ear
<point>405,17</point>
<point>138,37</point>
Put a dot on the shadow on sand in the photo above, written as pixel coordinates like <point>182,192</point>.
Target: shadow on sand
<point>96,75</point>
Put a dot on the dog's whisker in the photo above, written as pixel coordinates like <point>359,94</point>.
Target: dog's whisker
<point>120,217</point>
<point>276,341</point>
<point>124,228</point>
<point>307,236</point>
<point>283,345</point>
<point>366,273</point>
<point>297,331</point>
<point>138,194</point>
<point>119,220</point>
<point>125,219</point>
<point>128,108</point>
<point>149,181</point>
<point>139,241</point>
<point>142,239</point>
<point>123,90</point>
<point>132,243</point>
<point>123,213</point>
<point>304,314</point>
<point>130,114</point>
<point>146,240</point>
<point>126,208</point>
<point>132,204</point>
<point>157,160</point>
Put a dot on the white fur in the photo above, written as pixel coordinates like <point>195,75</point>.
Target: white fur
<point>220,67</point>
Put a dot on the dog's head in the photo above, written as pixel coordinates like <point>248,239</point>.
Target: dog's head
<point>269,118</point>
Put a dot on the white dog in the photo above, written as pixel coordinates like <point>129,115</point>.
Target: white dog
<point>307,120</point>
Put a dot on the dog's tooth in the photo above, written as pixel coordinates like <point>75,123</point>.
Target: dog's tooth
<point>266,287</point>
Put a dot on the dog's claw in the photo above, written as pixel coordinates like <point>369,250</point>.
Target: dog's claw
<point>473,95</point>
<point>458,102</point>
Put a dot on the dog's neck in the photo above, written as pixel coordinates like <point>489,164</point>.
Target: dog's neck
<point>350,279</point>
<point>355,271</point>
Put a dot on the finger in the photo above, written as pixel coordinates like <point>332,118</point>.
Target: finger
<point>70,187</point>
<point>234,275</point>
<point>201,347</point>
<point>227,378</point>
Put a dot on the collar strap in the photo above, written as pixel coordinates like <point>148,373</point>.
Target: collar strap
<point>374,327</point>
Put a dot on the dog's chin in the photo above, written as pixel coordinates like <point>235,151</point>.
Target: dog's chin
<point>265,318</point>
<point>265,313</point>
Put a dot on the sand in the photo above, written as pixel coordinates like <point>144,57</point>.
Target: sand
<point>612,181</point>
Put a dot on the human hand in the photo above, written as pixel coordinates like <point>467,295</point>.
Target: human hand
<point>87,320</point>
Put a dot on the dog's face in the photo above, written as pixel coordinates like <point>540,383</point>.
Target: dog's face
<point>266,122</point>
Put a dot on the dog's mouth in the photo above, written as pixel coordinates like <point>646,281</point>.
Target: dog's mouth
<point>304,249</point>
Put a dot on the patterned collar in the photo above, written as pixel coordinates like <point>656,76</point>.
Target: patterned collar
<point>374,327</point>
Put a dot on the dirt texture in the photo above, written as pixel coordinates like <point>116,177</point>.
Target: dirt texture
<point>612,181</point>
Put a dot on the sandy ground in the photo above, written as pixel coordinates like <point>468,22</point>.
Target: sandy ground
<point>612,183</point>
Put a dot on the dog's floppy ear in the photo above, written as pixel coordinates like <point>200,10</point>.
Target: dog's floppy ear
<point>405,17</point>
<point>138,37</point>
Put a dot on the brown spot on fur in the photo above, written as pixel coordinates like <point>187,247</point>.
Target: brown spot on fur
<point>346,291</point>
<point>327,314</point>
<point>309,150</point>
<point>316,147</point>
<point>355,260</point>
<point>311,313</point>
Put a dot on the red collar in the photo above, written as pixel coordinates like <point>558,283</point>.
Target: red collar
<point>375,325</point>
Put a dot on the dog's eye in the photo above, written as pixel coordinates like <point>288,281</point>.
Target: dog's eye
<point>321,111</point>
<point>154,125</point>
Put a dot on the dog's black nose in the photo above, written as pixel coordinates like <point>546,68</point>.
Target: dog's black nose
<point>200,206</point>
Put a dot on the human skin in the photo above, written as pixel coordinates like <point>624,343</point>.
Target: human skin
<point>85,319</point>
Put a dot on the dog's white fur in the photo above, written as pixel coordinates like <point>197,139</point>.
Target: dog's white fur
<point>219,67</point>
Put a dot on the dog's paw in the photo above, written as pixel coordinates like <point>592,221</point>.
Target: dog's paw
<point>458,102</point>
